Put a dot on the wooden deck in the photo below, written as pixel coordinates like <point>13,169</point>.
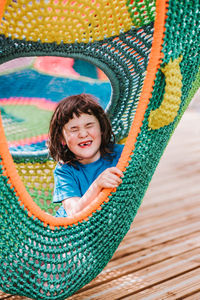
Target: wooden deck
<point>160,256</point>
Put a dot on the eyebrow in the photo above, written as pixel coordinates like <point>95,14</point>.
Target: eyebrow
<point>90,123</point>
<point>75,127</point>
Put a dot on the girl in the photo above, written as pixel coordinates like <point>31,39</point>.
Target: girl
<point>82,142</point>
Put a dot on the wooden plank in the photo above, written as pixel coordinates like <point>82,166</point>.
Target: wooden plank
<point>155,238</point>
<point>4,296</point>
<point>157,217</point>
<point>172,208</point>
<point>173,189</point>
<point>177,288</point>
<point>144,259</point>
<point>195,296</point>
<point>142,279</point>
<point>184,212</point>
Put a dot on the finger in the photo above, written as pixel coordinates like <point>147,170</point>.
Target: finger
<point>110,185</point>
<point>114,179</point>
<point>111,177</point>
<point>116,171</point>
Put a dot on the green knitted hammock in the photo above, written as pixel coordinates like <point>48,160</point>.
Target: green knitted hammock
<point>150,52</point>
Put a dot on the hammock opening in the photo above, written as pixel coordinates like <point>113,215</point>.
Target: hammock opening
<point>123,55</point>
<point>124,60</point>
<point>31,89</point>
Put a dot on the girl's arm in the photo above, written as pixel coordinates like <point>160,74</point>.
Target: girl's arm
<point>110,178</point>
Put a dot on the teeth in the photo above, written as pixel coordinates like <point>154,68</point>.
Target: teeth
<point>85,144</point>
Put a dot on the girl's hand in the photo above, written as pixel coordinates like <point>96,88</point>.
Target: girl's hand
<point>110,178</point>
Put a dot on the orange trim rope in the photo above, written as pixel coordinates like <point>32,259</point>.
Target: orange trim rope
<point>2,6</point>
<point>153,65</point>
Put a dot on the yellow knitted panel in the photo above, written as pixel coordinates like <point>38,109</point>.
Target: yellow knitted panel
<point>169,107</point>
<point>123,141</point>
<point>37,175</point>
<point>65,20</point>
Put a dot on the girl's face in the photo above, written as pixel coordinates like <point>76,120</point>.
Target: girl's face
<point>83,137</point>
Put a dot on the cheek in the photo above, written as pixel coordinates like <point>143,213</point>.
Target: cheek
<point>96,134</point>
<point>69,139</point>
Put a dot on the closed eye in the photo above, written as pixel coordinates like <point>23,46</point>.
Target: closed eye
<point>89,125</point>
<point>74,129</point>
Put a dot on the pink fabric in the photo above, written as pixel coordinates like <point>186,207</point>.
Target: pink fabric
<point>53,65</point>
<point>17,63</point>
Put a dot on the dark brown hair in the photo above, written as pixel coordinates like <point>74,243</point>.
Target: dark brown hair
<point>77,104</point>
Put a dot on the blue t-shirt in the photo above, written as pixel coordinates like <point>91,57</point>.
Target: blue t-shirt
<point>74,182</point>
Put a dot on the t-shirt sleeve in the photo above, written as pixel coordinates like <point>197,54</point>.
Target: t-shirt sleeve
<point>65,185</point>
<point>118,148</point>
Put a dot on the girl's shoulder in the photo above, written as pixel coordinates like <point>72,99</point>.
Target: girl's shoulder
<point>62,168</point>
<point>118,148</point>
<point>115,154</point>
<point>67,169</point>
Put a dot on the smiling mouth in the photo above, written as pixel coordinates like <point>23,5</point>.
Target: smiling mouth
<point>85,144</point>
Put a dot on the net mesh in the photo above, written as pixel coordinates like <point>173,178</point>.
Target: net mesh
<point>73,21</point>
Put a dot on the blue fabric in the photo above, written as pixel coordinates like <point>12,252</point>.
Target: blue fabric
<point>74,182</point>
<point>30,83</point>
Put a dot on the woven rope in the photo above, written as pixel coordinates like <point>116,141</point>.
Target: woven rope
<point>46,258</point>
<point>73,21</point>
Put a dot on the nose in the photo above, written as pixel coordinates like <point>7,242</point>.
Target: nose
<point>83,132</point>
